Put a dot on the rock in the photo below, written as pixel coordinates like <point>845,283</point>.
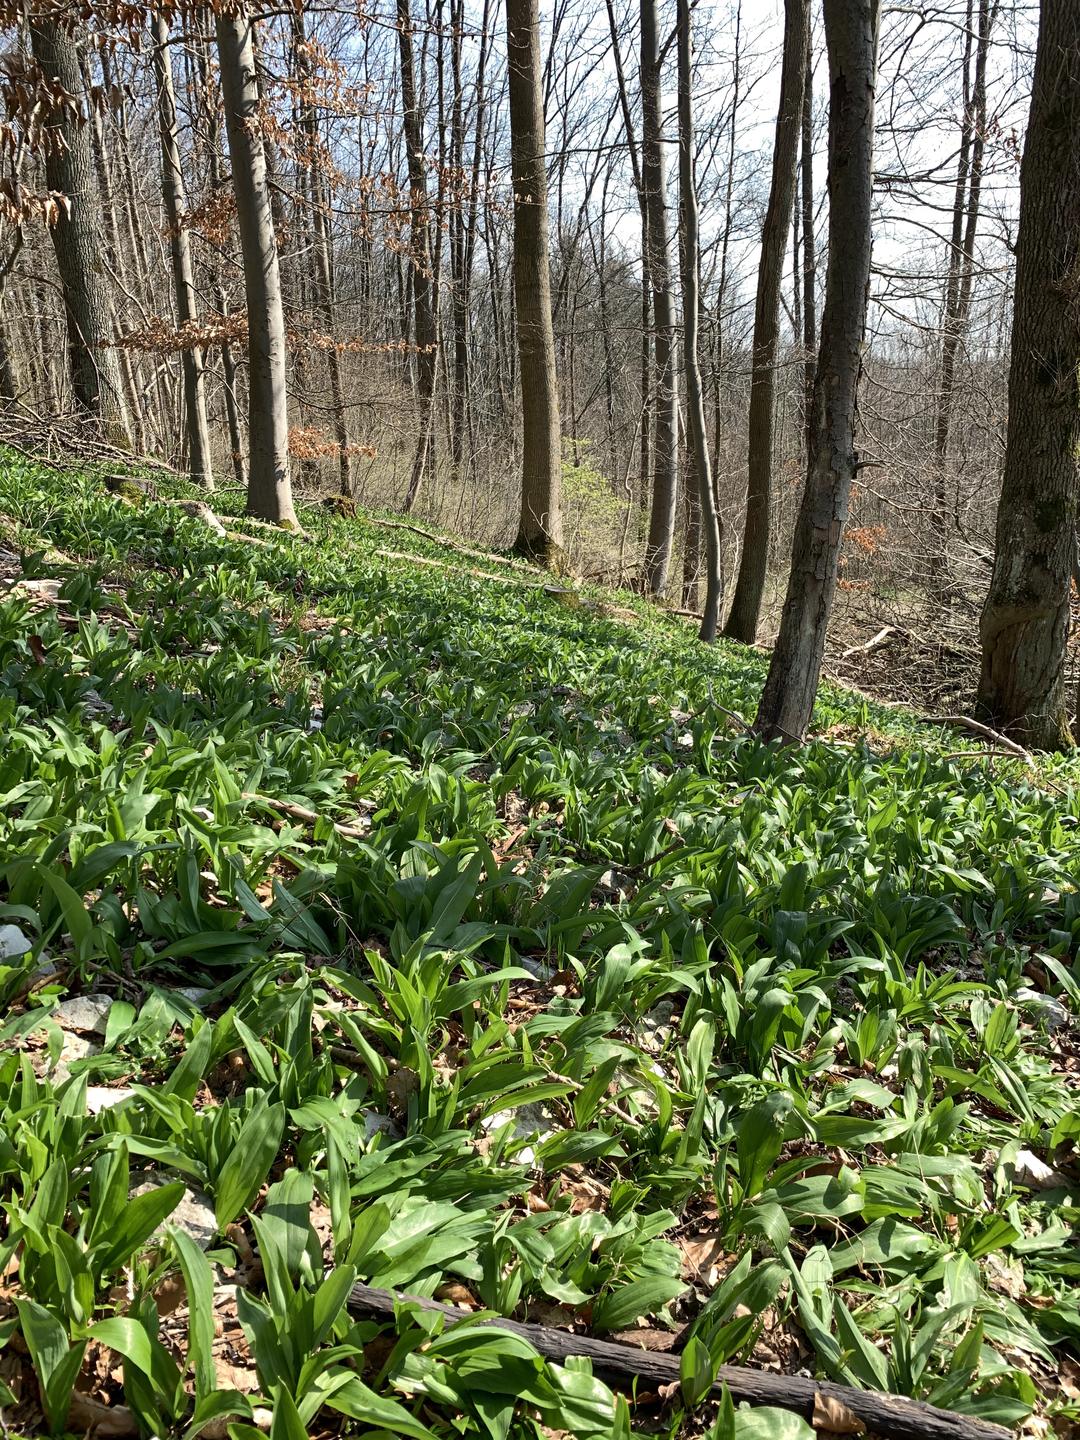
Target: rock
<point>375,1123</point>
<point>1052,1011</point>
<point>536,968</point>
<point>94,707</point>
<point>102,1097</point>
<point>75,1047</point>
<point>13,943</point>
<point>1036,1174</point>
<point>529,1122</point>
<point>194,1213</point>
<point>86,1013</point>
<point>193,994</point>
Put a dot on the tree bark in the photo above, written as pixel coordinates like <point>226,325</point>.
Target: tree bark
<point>423,280</point>
<point>322,279</point>
<point>795,670</point>
<point>1026,616</point>
<point>187,308</point>
<point>77,242</point>
<point>809,244</point>
<point>707,519</point>
<point>540,528</point>
<point>745,613</point>
<point>269,485</point>
<point>665,398</point>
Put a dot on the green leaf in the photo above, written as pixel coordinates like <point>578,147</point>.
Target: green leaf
<point>246,1168</point>
<point>199,1283</point>
<point>56,1362</point>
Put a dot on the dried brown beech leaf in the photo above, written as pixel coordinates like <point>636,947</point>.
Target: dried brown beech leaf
<point>833,1415</point>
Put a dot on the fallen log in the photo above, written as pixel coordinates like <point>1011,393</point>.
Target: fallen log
<point>965,722</point>
<point>619,1365</point>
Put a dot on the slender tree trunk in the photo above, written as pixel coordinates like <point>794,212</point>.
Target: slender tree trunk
<point>795,671</point>
<point>77,242</point>
<point>958,287</point>
<point>540,529</point>
<point>1026,617</point>
<point>187,308</point>
<point>322,278</point>
<point>269,484</point>
<point>423,280</point>
<point>665,403</point>
<point>745,613</point>
<point>809,244</point>
<point>707,520</point>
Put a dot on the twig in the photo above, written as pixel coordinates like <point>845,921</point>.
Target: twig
<point>965,722</point>
<point>891,1416</point>
<point>301,812</point>
<point>878,640</point>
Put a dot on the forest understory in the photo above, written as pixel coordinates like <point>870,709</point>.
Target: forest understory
<point>379,909</point>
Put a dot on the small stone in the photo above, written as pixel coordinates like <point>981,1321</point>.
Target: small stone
<point>194,1212</point>
<point>102,1097</point>
<point>1052,1011</point>
<point>193,994</point>
<point>1036,1174</point>
<point>13,943</point>
<point>536,968</point>
<point>529,1122</point>
<point>75,1047</point>
<point>94,706</point>
<point>87,1013</point>
<point>375,1123</point>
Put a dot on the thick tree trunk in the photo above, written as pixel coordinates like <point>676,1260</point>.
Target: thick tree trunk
<point>1026,617</point>
<point>187,308</point>
<point>269,484</point>
<point>665,398</point>
<point>745,613</point>
<point>708,522</point>
<point>77,242</point>
<point>423,280</point>
<point>795,671</point>
<point>540,529</point>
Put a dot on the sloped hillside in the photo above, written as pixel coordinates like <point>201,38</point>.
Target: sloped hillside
<point>369,913</point>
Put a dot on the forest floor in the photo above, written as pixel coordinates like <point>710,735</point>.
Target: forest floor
<point>369,911</point>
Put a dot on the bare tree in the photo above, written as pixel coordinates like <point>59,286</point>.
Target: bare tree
<point>787,702</point>
<point>745,613</point>
<point>540,529</point>
<point>187,308</point>
<point>269,483</point>
<point>705,521</point>
<point>76,237</point>
<point>665,401</point>
<point>1026,617</point>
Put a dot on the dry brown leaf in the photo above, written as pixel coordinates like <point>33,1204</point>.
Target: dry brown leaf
<point>703,1257</point>
<point>235,1377</point>
<point>836,1417</point>
<point>108,1421</point>
<point>647,1338</point>
<point>454,1293</point>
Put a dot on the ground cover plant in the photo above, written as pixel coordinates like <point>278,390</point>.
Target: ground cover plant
<point>369,912</point>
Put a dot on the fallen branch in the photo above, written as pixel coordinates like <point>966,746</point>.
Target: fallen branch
<point>303,814</point>
<point>890,1416</point>
<point>874,643</point>
<point>1002,742</point>
<point>486,555</point>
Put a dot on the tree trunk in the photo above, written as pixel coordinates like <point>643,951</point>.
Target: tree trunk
<point>77,242</point>
<point>795,671</point>
<point>187,309</point>
<point>1026,617</point>
<point>745,613</point>
<point>809,244</point>
<point>665,399</point>
<point>423,282</point>
<point>322,279</point>
<point>269,484</point>
<point>965,221</point>
<point>707,520</point>
<point>540,529</point>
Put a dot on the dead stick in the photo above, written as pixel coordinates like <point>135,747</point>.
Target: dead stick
<point>302,813</point>
<point>965,722</point>
<point>890,1416</point>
